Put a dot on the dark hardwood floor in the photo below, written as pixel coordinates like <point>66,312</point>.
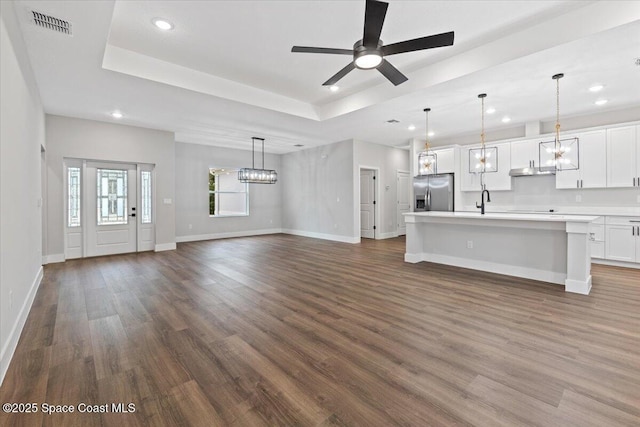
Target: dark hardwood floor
<point>286,330</point>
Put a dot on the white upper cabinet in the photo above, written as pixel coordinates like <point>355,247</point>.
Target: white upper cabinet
<point>623,157</point>
<point>592,161</point>
<point>494,181</point>
<point>446,160</point>
<point>524,154</point>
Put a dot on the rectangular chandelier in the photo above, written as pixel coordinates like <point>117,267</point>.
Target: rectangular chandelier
<point>257,176</point>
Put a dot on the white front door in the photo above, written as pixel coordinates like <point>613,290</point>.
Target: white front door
<point>110,199</point>
<point>404,204</point>
<point>367,203</point>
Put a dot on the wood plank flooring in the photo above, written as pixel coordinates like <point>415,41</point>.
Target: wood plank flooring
<point>286,330</point>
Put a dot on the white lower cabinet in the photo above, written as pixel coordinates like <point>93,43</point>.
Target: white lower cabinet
<point>622,237</point>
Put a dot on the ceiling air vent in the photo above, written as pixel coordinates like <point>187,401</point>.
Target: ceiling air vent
<point>51,23</point>
<point>393,121</point>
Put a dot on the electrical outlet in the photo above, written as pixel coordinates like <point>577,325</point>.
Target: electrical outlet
<point>578,198</point>
<point>335,226</point>
<point>338,199</point>
<point>638,198</point>
<point>469,244</point>
<point>190,226</point>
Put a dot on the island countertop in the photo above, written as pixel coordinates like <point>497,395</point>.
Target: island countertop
<point>506,216</point>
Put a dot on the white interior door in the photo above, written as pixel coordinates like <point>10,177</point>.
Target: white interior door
<point>404,203</point>
<point>367,203</point>
<point>110,214</point>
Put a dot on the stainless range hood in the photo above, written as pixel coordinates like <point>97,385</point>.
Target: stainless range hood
<point>545,170</point>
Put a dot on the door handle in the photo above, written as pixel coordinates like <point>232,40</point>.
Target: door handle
<point>133,214</point>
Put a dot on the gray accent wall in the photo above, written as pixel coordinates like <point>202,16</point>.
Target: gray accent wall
<point>22,133</point>
<point>88,139</point>
<point>318,192</point>
<point>192,194</point>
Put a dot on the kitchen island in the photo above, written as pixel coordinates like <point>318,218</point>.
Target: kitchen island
<point>550,248</point>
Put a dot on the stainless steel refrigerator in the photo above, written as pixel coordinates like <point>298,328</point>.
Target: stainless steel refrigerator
<point>433,192</point>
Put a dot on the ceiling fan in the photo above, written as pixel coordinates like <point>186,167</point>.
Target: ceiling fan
<point>369,52</point>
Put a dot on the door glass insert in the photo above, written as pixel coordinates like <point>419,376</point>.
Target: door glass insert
<point>73,192</point>
<point>112,196</point>
<point>145,187</point>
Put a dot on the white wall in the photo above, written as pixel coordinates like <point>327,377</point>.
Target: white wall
<point>318,192</point>
<point>192,196</point>
<point>21,139</point>
<point>387,160</point>
<point>87,139</point>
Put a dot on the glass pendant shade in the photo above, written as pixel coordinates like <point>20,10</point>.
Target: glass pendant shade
<point>427,159</point>
<point>428,162</point>
<point>560,154</point>
<point>483,160</point>
<point>257,176</point>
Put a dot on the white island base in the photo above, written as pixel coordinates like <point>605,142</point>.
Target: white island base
<point>549,248</point>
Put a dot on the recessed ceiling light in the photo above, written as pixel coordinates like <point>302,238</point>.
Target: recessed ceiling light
<point>334,88</point>
<point>116,115</point>
<point>491,110</point>
<point>596,88</point>
<point>506,119</point>
<point>430,133</point>
<point>411,127</point>
<point>601,101</point>
<point>163,24</point>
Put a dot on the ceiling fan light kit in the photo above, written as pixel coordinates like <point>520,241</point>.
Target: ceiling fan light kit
<point>369,52</point>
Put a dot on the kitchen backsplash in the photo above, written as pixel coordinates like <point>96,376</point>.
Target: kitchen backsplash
<point>540,193</point>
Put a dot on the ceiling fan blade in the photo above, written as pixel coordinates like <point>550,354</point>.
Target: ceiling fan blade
<point>429,42</point>
<point>374,14</point>
<point>391,73</point>
<point>307,49</point>
<point>340,74</point>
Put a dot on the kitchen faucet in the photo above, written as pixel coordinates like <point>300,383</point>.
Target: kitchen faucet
<point>481,207</point>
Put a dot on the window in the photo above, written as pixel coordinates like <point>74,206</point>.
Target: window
<point>73,195</point>
<point>112,196</point>
<point>227,195</point>
<point>145,188</point>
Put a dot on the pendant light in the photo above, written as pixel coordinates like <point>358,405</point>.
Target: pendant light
<point>257,176</point>
<point>484,159</point>
<point>427,159</point>
<point>559,154</point>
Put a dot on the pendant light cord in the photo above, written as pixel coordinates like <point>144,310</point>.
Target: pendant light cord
<point>558,111</point>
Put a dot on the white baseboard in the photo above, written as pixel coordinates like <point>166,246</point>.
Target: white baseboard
<point>334,237</point>
<point>578,286</point>
<point>12,341</point>
<point>491,267</point>
<point>615,263</point>
<point>214,236</point>
<point>165,247</point>
<point>53,258</point>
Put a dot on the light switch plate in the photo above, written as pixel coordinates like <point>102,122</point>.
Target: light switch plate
<point>578,198</point>
<point>167,201</point>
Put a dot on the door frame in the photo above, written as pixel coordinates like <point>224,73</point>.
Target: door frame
<point>376,206</point>
<point>409,192</point>
<point>84,215</point>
